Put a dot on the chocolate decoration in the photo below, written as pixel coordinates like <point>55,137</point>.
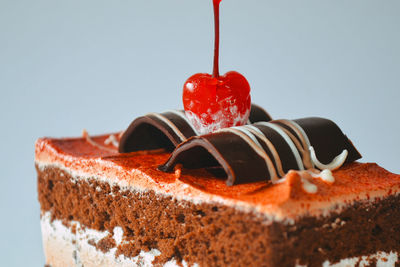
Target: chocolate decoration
<point>257,114</point>
<point>263,150</point>
<point>167,130</point>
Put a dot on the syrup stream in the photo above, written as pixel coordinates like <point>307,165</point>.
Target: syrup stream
<point>216,40</point>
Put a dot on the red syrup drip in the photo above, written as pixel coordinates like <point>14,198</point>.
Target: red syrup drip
<point>212,102</point>
<point>216,40</point>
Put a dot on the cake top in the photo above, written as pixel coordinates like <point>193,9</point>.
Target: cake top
<point>284,201</point>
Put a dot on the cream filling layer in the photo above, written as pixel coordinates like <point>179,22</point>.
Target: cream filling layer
<point>63,247</point>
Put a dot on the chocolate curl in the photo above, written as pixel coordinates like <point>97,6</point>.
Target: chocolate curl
<point>167,130</point>
<point>263,151</point>
<point>257,114</point>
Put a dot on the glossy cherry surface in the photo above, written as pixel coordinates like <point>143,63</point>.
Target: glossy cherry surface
<point>212,103</point>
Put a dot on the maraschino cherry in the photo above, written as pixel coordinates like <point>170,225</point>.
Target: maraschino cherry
<point>212,102</point>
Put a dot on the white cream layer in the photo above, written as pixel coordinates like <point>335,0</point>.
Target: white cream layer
<point>382,259</point>
<point>64,248</point>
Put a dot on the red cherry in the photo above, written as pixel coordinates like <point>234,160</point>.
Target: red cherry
<point>213,103</point>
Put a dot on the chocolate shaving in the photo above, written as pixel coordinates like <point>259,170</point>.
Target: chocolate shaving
<point>167,130</point>
<point>257,152</point>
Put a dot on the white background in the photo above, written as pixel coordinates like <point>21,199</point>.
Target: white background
<point>70,65</point>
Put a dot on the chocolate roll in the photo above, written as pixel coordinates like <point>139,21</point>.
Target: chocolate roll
<point>266,150</point>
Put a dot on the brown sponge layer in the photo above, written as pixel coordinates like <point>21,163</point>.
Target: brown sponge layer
<point>213,234</point>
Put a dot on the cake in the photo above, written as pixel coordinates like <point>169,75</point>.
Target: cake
<point>217,184</point>
<point>100,207</point>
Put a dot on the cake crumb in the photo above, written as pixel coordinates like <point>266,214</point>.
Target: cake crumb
<point>178,171</point>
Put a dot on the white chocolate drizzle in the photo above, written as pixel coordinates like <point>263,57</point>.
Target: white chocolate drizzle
<point>86,135</point>
<point>335,164</point>
<point>307,176</point>
<point>327,176</point>
<point>111,140</point>
<point>300,146</point>
<point>249,134</point>
<point>287,139</point>
<point>305,142</point>
<point>248,137</point>
<point>170,124</point>
<point>308,186</point>
<point>271,147</point>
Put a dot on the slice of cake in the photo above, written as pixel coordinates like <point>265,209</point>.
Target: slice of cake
<point>208,186</point>
<point>104,208</point>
